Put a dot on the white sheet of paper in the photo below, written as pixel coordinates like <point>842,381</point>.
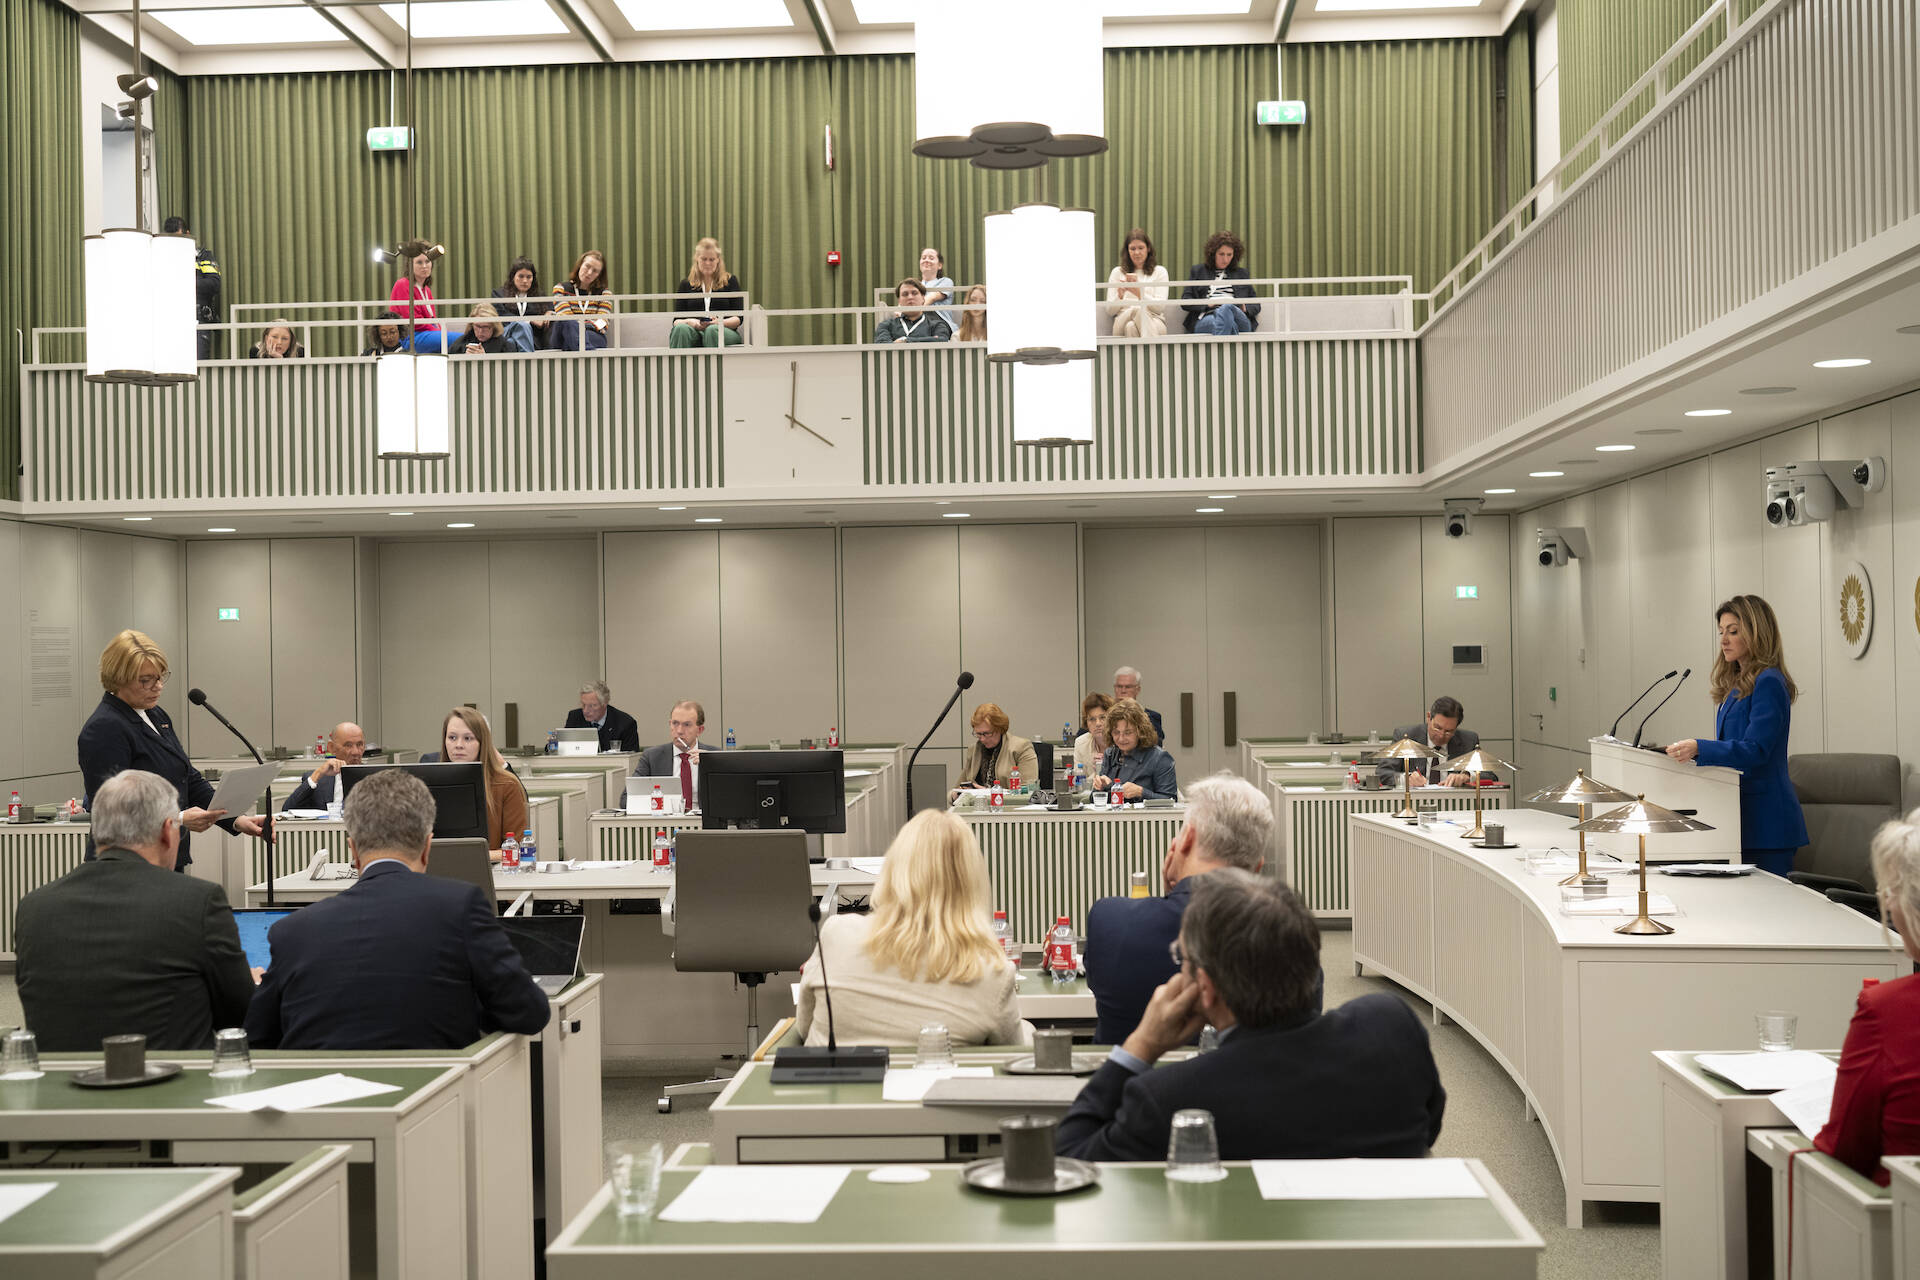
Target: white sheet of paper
<point>1764,1072</point>
<point>868,866</point>
<point>757,1193</point>
<point>910,1084</point>
<point>1619,904</point>
<point>1807,1106</point>
<point>241,789</point>
<point>301,1094</point>
<point>1432,1179</point>
<point>15,1196</point>
<point>305,815</point>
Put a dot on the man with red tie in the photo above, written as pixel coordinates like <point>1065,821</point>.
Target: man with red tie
<point>679,756</point>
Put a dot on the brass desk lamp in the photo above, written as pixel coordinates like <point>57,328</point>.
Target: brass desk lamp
<point>1407,749</point>
<point>1643,819</point>
<point>1583,791</point>
<point>1477,762</point>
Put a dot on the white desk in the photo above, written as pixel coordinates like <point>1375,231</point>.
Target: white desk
<point>1832,1224</point>
<point>1574,1011</point>
<point>1310,832</point>
<point>1905,1174</point>
<point>122,1224</point>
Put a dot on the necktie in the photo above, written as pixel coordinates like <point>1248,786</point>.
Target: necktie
<point>686,779</point>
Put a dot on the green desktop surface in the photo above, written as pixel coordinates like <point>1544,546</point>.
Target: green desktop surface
<point>91,1208</point>
<point>191,1089</point>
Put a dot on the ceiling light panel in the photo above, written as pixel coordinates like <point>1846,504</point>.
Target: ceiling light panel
<point>900,12</point>
<point>478,19</point>
<point>292,24</point>
<point>735,15</point>
<point>1389,6</point>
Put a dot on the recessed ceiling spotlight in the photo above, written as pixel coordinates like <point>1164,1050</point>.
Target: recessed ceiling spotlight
<point>709,520</point>
<point>399,513</point>
<point>1614,448</point>
<point>673,508</point>
<point>1844,362</point>
<point>136,519</point>
<point>1708,413</point>
<point>1221,497</point>
<point>1546,475</point>
<point>943,503</point>
<point>461,524</point>
<point>1208,511</point>
<point>1658,431</point>
<point>956,515</point>
<point>220,529</point>
<point>1496,491</point>
<point>1767,391</point>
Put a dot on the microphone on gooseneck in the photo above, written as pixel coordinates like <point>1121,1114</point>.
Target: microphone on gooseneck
<point>960,686</point>
<point>1663,702</point>
<point>1636,702</point>
<point>813,914</point>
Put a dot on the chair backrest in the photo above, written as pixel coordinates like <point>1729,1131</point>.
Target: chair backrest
<point>741,901</point>
<point>465,859</point>
<point>1044,750</point>
<point>1845,797</point>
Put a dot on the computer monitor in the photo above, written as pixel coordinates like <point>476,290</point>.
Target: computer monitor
<point>774,790</point>
<point>253,923</point>
<point>459,794</point>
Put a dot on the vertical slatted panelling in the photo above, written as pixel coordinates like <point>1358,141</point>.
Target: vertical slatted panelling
<point>294,843</point>
<point>630,839</point>
<point>29,858</point>
<point>1314,828</point>
<point>1046,867</point>
<point>1722,192</point>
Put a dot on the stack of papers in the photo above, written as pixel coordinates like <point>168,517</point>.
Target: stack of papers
<point>1766,1072</point>
<point>870,866</point>
<point>1411,1179</point>
<point>318,1092</point>
<point>1807,1106</point>
<point>1618,904</point>
<point>911,1084</point>
<point>757,1193</point>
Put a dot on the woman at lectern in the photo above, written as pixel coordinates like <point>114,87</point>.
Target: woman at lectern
<point>1755,696</point>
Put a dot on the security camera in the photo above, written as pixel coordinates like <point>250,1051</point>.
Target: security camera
<point>1557,546</point>
<point>1460,514</point>
<point>1802,493</point>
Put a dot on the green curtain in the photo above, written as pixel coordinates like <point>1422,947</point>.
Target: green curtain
<point>168,118</point>
<point>1519,132</point>
<point>40,273</point>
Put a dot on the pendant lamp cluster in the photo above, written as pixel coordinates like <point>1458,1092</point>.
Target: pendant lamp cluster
<point>1016,101</point>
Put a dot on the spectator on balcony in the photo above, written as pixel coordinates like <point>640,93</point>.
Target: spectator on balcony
<point>484,336</point>
<point>1217,311</point>
<point>276,343</point>
<point>523,308</point>
<point>582,312</point>
<point>915,322</point>
<point>706,322</point>
<point>973,324</point>
<point>1136,288</point>
<point>384,337</point>
<point>412,299</point>
<point>938,287</point>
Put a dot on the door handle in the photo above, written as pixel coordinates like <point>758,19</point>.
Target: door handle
<point>1230,717</point>
<point>1186,720</point>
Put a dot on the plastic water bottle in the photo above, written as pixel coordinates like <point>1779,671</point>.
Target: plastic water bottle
<point>729,739</point>
<point>1066,733</point>
<point>662,850</point>
<point>1003,935</point>
<point>673,847</point>
<point>997,798</point>
<point>13,808</point>
<point>319,746</point>
<point>1119,797</point>
<point>1013,780</point>
<point>1353,775</point>
<point>1060,951</point>
<point>833,737</point>
<point>659,799</point>
<point>553,742</point>
<point>529,852</point>
<point>510,853</point>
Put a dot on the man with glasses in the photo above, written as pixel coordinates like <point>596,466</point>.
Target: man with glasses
<point>1287,1081</point>
<point>618,730</point>
<point>679,756</point>
<point>1126,684</point>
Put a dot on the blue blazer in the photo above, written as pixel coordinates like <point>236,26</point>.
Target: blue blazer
<point>399,961</point>
<point>312,795</point>
<point>1127,956</point>
<point>115,739</point>
<point>1750,734</point>
<point>1150,767</point>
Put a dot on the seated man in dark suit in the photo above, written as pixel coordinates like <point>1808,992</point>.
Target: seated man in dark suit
<point>1443,733</point>
<point>120,945</point>
<point>679,756</point>
<point>1126,684</point>
<point>618,730</point>
<point>1229,824</point>
<point>402,960</point>
<point>1286,1082</point>
<point>346,745</point>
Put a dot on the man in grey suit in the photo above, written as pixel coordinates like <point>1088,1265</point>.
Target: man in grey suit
<point>679,756</point>
<point>121,946</point>
<point>1443,733</point>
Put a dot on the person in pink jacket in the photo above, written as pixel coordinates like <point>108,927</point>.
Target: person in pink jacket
<point>412,299</point>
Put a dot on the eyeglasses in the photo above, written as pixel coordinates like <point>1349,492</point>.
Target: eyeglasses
<point>986,733</point>
<point>153,682</point>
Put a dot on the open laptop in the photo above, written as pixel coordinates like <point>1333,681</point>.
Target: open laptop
<point>577,742</point>
<point>253,923</point>
<point>549,946</point>
<point>640,792</point>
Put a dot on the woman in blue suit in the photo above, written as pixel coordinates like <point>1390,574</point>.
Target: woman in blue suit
<point>1755,695</point>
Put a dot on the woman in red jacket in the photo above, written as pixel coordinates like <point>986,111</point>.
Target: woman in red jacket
<point>1876,1097</point>
<point>412,299</point>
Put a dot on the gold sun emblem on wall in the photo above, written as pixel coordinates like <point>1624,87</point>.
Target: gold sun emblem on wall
<point>1853,608</point>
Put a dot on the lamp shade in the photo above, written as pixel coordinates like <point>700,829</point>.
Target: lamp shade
<point>411,395</point>
<point>1406,749</point>
<point>1478,761</point>
<point>1040,268</point>
<point>140,307</point>
<point>1009,85</point>
<point>1053,403</point>
<point>1640,818</point>
<point>1579,789</point>
<point>173,308</point>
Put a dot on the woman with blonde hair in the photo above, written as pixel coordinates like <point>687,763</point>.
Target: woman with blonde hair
<point>466,739</point>
<point>925,954</point>
<point>1755,697</point>
<point>1135,763</point>
<point>709,324</point>
<point>973,324</point>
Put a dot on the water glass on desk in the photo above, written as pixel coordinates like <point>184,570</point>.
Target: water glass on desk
<point>20,1057</point>
<point>935,1049</point>
<point>633,1167</point>
<point>1193,1148</point>
<point>230,1055</point>
<point>1778,1029</point>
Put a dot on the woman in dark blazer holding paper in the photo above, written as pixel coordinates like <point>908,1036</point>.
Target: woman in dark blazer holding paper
<point>128,730</point>
<point>1755,695</point>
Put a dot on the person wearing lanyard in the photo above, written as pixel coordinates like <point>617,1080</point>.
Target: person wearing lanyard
<point>709,327</point>
<point>914,323</point>
<point>1755,696</point>
<point>996,755</point>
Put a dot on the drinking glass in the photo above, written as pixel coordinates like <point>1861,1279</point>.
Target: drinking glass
<point>230,1056</point>
<point>1777,1029</point>
<point>633,1166</point>
<point>1193,1149</point>
<point>20,1058</point>
<point>935,1047</point>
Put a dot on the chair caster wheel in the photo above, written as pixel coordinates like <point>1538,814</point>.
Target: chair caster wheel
<point>666,1106</point>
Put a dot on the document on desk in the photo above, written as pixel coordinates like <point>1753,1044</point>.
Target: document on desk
<point>910,1084</point>
<point>1410,1179</point>
<point>1807,1106</point>
<point>757,1193</point>
<point>870,866</point>
<point>1766,1072</point>
<point>301,1094</point>
<point>239,789</point>
<point>15,1196</point>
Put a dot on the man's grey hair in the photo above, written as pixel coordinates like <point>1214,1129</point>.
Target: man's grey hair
<point>1257,941</point>
<point>597,688</point>
<point>1232,822</point>
<point>131,809</point>
<point>1127,671</point>
<point>389,812</point>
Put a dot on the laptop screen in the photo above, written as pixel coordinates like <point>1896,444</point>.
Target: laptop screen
<point>253,923</point>
<point>549,945</point>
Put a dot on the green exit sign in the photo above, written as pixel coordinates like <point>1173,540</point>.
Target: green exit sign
<point>1466,593</point>
<point>229,615</point>
<point>389,138</point>
<point>1288,112</point>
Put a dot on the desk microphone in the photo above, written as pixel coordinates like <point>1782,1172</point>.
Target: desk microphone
<point>960,686</point>
<point>800,1064</point>
<point>1636,702</point>
<point>1663,702</point>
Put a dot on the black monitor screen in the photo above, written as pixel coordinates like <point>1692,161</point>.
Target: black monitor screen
<point>548,945</point>
<point>774,790</point>
<point>459,794</point>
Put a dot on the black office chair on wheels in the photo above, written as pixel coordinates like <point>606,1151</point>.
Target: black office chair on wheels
<point>1043,751</point>
<point>740,907</point>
